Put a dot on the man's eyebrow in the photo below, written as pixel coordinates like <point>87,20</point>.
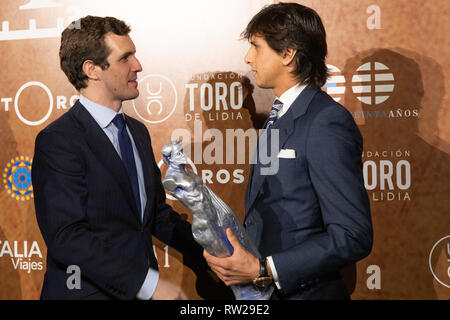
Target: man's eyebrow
<point>126,55</point>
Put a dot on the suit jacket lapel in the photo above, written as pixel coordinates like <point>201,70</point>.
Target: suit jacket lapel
<point>286,127</point>
<point>102,148</point>
<point>252,168</point>
<point>249,184</point>
<point>256,178</point>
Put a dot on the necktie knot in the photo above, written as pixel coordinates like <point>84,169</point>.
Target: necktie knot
<point>273,116</point>
<point>119,122</point>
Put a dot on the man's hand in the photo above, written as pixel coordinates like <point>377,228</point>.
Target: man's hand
<point>241,267</point>
<point>167,290</point>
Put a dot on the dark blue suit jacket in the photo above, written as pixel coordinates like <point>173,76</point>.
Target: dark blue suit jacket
<point>313,215</point>
<point>87,213</point>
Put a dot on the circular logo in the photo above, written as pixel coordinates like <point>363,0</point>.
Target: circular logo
<point>17,178</point>
<point>335,85</point>
<point>373,83</point>
<point>440,255</point>
<point>160,163</point>
<point>157,100</point>
<point>50,106</point>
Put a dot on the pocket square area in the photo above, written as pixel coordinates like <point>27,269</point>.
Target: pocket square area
<point>286,153</point>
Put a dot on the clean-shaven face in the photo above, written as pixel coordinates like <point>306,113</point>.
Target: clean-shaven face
<point>120,78</point>
<point>266,63</point>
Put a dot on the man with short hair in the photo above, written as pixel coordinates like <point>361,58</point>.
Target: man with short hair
<point>98,192</point>
<point>312,217</point>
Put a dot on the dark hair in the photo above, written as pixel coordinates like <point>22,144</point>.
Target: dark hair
<point>87,42</point>
<point>291,25</point>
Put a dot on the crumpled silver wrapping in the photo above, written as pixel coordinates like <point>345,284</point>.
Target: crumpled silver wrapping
<point>211,216</point>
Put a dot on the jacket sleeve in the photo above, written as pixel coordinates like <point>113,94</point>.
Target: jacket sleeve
<point>60,195</point>
<point>333,153</point>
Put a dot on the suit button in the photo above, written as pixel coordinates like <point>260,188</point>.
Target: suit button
<point>303,286</point>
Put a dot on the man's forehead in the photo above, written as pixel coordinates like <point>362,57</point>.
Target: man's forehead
<point>257,38</point>
<point>119,43</point>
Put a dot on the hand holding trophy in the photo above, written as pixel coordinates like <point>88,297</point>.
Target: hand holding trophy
<point>211,216</point>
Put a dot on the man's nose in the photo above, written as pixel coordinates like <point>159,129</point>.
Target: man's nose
<point>247,58</point>
<point>137,65</point>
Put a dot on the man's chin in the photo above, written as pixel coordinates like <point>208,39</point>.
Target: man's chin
<point>132,96</point>
<point>263,85</point>
<point>260,83</point>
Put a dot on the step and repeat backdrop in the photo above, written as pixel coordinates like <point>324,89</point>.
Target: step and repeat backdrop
<point>389,64</point>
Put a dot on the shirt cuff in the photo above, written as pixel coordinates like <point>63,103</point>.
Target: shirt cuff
<point>149,285</point>
<point>274,272</point>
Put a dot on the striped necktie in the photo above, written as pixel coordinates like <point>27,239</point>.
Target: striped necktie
<point>273,116</point>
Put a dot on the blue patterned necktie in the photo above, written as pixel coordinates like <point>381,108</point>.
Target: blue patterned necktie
<point>273,116</point>
<point>126,151</point>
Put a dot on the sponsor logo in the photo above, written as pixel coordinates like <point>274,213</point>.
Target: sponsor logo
<point>17,178</point>
<point>335,85</point>
<point>373,83</point>
<point>61,102</point>
<point>219,96</point>
<point>387,175</point>
<point>439,261</point>
<point>158,99</point>
<point>22,255</point>
<point>39,33</point>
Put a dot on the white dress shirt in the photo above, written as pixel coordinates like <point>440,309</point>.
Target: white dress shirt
<point>104,116</point>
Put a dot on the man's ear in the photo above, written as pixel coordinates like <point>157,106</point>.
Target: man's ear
<point>91,70</point>
<point>288,55</point>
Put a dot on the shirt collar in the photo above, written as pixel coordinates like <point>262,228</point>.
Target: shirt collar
<point>101,114</point>
<point>289,96</point>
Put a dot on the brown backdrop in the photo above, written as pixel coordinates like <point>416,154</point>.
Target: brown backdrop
<point>389,60</point>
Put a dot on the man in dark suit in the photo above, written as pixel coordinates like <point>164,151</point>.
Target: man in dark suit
<point>310,216</point>
<point>98,192</point>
